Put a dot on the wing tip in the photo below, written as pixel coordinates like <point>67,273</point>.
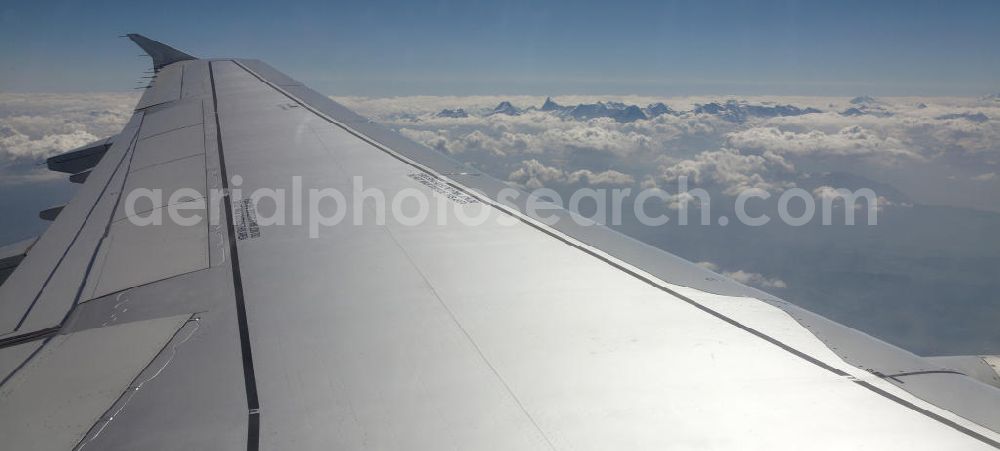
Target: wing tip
<point>161,53</point>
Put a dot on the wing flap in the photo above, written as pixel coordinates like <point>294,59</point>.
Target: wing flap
<point>80,159</point>
<point>93,248</point>
<point>45,285</point>
<point>78,385</point>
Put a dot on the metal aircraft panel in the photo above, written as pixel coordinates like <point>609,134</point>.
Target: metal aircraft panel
<point>165,87</point>
<point>46,284</point>
<point>76,399</point>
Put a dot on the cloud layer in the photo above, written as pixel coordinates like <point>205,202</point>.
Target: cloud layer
<point>722,144</point>
<point>747,278</point>
<point>35,126</point>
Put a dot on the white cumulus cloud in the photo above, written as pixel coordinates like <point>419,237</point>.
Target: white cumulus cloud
<point>745,277</point>
<point>35,126</point>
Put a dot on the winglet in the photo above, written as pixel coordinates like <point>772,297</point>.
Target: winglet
<point>161,53</point>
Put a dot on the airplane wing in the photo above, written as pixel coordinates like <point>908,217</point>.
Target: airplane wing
<point>503,331</point>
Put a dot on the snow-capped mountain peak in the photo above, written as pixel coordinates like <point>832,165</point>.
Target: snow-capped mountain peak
<point>551,105</point>
<point>456,113</point>
<point>863,100</point>
<point>507,108</point>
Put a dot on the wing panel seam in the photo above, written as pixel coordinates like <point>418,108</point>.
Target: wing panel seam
<point>249,377</point>
<point>79,231</point>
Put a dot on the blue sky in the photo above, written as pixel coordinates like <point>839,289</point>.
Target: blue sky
<point>469,47</point>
